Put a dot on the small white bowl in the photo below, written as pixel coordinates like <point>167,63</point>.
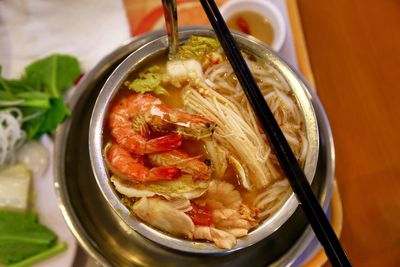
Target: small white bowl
<point>264,8</point>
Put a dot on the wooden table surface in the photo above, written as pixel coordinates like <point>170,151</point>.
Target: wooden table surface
<point>354,49</point>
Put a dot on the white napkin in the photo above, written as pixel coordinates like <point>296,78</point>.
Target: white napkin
<point>31,29</point>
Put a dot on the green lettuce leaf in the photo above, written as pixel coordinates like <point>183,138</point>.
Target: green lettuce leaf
<point>21,236</point>
<point>39,93</point>
<point>48,120</point>
<point>53,74</point>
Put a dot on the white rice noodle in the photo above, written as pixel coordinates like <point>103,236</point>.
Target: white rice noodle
<point>217,78</point>
<point>11,135</point>
<point>272,198</point>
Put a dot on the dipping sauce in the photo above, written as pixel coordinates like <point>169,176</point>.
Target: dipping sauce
<point>254,24</point>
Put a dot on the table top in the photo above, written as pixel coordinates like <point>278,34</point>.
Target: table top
<point>354,49</point>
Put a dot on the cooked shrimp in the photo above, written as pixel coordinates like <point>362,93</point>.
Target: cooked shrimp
<point>133,166</point>
<point>223,214</point>
<point>222,239</point>
<point>221,195</point>
<point>232,219</point>
<point>187,164</point>
<point>132,118</point>
<point>229,214</point>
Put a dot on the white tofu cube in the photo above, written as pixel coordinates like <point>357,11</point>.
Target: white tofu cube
<point>14,188</point>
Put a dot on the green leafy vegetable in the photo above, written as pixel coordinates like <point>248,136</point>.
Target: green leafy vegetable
<point>22,237</point>
<point>25,99</point>
<point>198,47</point>
<point>148,80</point>
<point>53,74</point>
<point>41,256</point>
<point>39,93</point>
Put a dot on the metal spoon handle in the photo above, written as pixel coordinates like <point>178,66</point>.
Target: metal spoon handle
<point>171,23</point>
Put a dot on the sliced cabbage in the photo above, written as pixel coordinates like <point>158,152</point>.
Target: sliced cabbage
<point>198,47</point>
<point>183,70</point>
<point>148,80</point>
<point>241,173</point>
<point>184,187</point>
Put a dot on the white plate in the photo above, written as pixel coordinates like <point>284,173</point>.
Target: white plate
<point>46,205</point>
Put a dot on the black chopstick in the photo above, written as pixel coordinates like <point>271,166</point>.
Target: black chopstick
<point>298,181</point>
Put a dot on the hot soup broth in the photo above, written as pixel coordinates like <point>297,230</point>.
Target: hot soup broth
<point>185,151</point>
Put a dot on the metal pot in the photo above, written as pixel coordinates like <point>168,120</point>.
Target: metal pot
<point>284,228</point>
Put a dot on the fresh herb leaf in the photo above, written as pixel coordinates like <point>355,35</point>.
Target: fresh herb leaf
<point>14,86</point>
<point>39,93</point>
<point>55,115</point>
<point>24,99</point>
<point>21,236</point>
<point>53,74</point>
<point>58,248</point>
<point>44,121</point>
<point>148,80</point>
<point>32,126</point>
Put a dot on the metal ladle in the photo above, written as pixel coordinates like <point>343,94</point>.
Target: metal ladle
<point>171,24</point>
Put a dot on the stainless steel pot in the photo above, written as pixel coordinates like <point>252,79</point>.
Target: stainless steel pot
<point>106,237</point>
<point>96,146</point>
